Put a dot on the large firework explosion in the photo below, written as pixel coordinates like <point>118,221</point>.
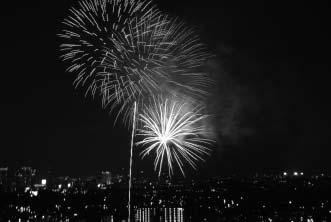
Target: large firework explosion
<point>126,51</point>
<point>175,131</point>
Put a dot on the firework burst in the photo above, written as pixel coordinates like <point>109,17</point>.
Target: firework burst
<point>124,50</point>
<point>175,131</point>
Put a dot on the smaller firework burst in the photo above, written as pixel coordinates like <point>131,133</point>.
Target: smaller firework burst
<point>175,131</point>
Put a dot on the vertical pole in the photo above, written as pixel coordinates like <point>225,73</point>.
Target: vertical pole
<point>131,151</point>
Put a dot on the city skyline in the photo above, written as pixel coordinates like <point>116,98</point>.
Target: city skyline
<point>258,198</point>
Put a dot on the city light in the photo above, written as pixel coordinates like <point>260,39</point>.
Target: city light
<point>173,201</point>
<point>34,193</point>
<point>43,182</point>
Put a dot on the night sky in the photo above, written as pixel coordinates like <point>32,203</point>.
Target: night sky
<point>271,103</point>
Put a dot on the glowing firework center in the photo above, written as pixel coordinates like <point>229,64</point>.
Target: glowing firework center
<point>174,132</point>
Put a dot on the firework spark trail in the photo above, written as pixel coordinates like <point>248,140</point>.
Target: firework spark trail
<point>125,50</point>
<point>130,168</point>
<point>175,131</point>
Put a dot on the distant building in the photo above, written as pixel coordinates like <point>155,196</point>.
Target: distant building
<point>172,214</point>
<point>25,177</point>
<point>117,178</point>
<point>4,178</point>
<point>3,175</point>
<point>159,214</point>
<point>106,177</point>
<point>91,182</point>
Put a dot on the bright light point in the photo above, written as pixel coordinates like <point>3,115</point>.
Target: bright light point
<point>285,173</point>
<point>34,193</point>
<point>301,173</point>
<point>43,182</point>
<point>69,185</point>
<point>295,173</point>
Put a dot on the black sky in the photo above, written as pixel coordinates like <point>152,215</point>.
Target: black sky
<point>271,104</point>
